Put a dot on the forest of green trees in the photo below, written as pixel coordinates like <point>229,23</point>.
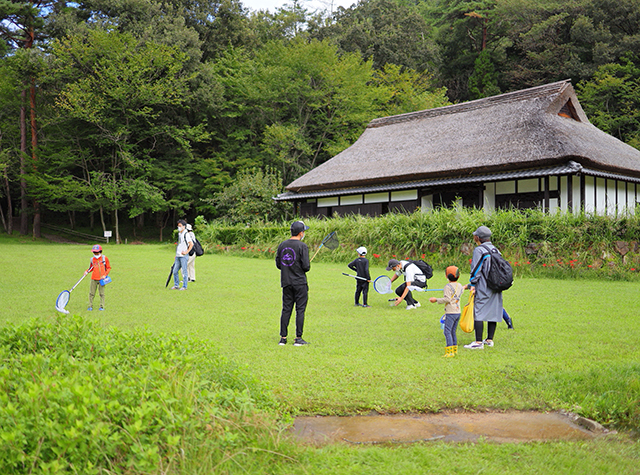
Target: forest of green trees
<point>145,110</point>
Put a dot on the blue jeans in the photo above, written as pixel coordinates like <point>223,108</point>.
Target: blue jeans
<point>180,263</point>
<point>450,326</point>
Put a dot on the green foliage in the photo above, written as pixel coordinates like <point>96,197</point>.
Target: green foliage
<point>249,198</point>
<point>309,104</point>
<point>484,80</point>
<point>408,91</point>
<point>76,398</point>
<point>382,31</point>
<point>612,101</point>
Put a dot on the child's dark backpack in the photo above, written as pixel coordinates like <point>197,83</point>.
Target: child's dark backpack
<point>500,275</point>
<point>425,268</point>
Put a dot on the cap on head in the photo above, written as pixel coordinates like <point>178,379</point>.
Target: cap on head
<point>96,248</point>
<point>362,250</point>
<point>393,263</point>
<point>189,227</point>
<point>453,273</point>
<point>297,227</point>
<point>482,232</point>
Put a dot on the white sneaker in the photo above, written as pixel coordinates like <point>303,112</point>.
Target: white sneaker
<point>417,305</point>
<point>475,346</point>
<point>411,307</point>
<point>488,343</point>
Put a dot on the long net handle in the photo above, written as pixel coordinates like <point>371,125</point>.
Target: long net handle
<point>314,255</point>
<point>83,276</point>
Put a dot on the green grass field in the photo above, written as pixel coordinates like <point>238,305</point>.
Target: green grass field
<point>574,347</point>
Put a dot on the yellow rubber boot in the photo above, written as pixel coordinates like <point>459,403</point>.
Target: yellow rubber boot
<point>448,352</point>
<point>454,349</point>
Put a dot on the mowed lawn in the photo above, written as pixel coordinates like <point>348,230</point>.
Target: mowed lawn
<point>568,334</point>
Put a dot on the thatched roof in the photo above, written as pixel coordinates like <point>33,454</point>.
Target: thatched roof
<point>511,131</point>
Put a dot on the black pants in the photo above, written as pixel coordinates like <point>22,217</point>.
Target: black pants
<point>362,287</point>
<point>298,295</point>
<point>409,298</point>
<point>479,327</point>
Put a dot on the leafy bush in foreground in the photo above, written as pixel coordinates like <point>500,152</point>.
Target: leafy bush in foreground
<point>78,398</point>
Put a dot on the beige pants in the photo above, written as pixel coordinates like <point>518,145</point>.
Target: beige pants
<point>191,267</point>
<point>92,292</point>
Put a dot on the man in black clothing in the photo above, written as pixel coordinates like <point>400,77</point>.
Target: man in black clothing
<point>293,261</point>
<point>361,268</point>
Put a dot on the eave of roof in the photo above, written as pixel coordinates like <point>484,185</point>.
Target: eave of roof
<point>570,168</point>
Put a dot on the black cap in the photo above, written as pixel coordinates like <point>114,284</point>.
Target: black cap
<point>392,263</point>
<point>297,227</point>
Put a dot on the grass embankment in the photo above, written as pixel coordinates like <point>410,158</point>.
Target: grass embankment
<point>573,348</point>
<point>538,244</point>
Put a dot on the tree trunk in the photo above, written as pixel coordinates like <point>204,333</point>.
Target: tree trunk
<point>104,227</point>
<point>24,205</point>
<point>34,156</point>
<point>115,212</point>
<point>8,224</point>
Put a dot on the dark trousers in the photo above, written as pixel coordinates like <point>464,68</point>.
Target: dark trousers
<point>479,327</point>
<point>362,287</point>
<point>409,298</point>
<point>450,326</point>
<point>298,295</point>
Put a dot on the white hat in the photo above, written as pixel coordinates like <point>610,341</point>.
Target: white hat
<point>361,250</point>
<point>189,227</point>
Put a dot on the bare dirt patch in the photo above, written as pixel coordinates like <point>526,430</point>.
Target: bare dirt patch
<point>499,427</point>
<point>58,239</point>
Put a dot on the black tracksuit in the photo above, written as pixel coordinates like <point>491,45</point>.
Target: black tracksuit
<point>292,258</point>
<point>361,267</point>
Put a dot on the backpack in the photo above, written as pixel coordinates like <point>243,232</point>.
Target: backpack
<point>425,268</point>
<point>500,275</point>
<point>197,248</point>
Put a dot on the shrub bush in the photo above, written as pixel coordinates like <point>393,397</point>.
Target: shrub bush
<point>77,398</point>
<point>537,243</point>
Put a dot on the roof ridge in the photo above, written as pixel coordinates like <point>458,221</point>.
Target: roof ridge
<point>560,86</point>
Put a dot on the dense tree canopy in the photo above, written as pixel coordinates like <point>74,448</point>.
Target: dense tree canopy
<point>119,110</point>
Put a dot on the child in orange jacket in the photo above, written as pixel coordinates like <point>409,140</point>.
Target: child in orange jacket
<point>99,268</point>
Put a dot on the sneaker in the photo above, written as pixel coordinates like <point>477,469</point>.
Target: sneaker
<point>90,308</point>
<point>367,306</point>
<point>101,309</point>
<point>283,341</point>
<point>357,305</point>
<point>410,307</point>
<point>488,343</point>
<point>475,346</point>
<point>175,288</point>
<point>182,288</point>
<point>417,305</point>
<point>299,342</point>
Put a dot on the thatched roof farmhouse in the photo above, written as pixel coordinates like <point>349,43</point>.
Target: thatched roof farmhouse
<point>530,148</point>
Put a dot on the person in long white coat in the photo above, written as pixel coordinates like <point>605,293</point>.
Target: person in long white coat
<point>488,304</point>
<point>191,263</point>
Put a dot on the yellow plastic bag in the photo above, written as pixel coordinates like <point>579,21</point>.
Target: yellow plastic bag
<point>466,319</point>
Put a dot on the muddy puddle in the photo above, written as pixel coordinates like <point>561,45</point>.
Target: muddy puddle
<point>448,427</point>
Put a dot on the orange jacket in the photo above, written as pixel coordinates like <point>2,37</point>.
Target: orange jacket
<point>100,267</point>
